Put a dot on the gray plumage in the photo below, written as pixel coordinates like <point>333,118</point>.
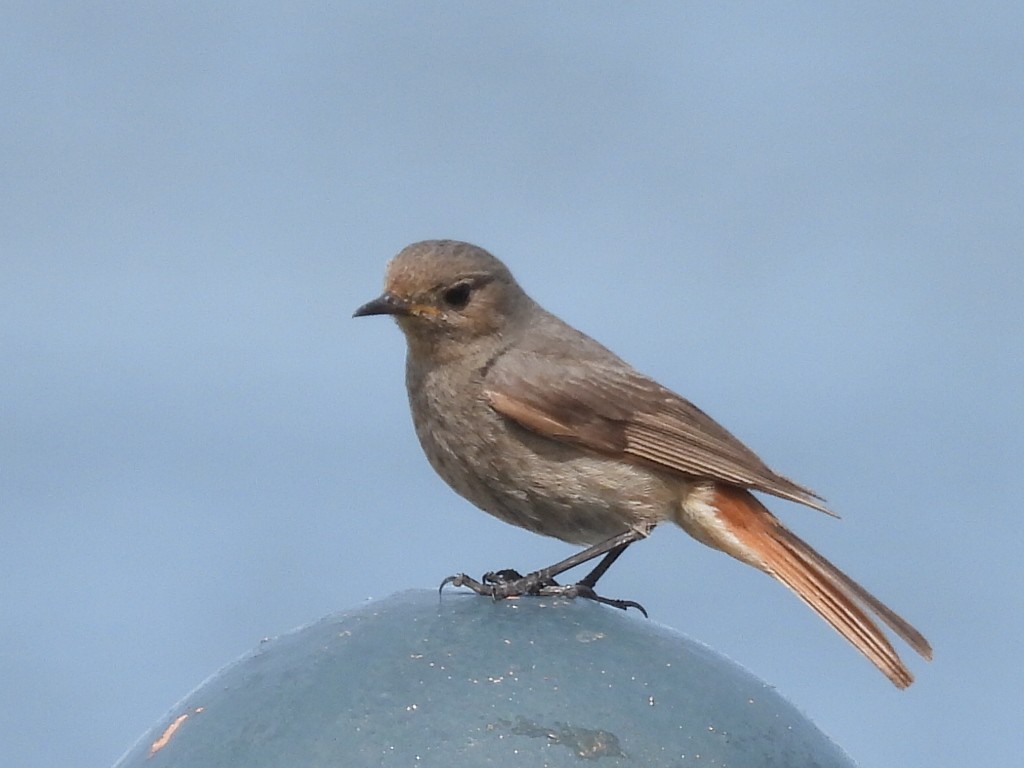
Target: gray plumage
<point>544,428</point>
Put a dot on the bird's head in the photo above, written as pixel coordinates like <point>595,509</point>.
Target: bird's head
<point>446,294</point>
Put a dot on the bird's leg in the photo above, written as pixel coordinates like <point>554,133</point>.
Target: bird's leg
<point>591,578</point>
<point>508,583</point>
<point>585,586</point>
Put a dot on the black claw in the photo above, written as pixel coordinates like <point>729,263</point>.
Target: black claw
<point>587,592</point>
<point>584,590</point>
<point>462,580</point>
<point>455,580</point>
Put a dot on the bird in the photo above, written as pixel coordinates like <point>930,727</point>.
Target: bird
<point>544,428</point>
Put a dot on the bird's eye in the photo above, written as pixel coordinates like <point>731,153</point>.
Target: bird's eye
<point>457,296</point>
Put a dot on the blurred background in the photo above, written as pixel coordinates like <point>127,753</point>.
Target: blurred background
<point>807,219</point>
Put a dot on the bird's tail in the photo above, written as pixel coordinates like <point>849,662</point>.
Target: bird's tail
<point>745,529</point>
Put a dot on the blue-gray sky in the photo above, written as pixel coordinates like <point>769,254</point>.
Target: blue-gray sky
<point>805,218</point>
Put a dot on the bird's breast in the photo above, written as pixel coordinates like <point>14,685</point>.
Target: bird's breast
<point>546,486</point>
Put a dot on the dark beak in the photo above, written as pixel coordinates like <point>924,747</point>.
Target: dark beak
<point>385,304</point>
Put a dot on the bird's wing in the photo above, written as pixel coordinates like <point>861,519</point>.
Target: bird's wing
<point>608,407</point>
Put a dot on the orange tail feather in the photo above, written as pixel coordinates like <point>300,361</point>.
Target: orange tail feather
<point>745,529</point>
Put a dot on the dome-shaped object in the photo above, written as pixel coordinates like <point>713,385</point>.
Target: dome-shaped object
<point>465,681</point>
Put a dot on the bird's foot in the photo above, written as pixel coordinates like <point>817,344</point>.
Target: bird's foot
<point>502,584</point>
<point>586,591</point>
<point>509,583</point>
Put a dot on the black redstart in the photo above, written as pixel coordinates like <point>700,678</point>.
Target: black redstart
<point>542,427</point>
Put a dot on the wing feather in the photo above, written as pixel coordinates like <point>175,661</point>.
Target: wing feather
<point>608,407</point>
